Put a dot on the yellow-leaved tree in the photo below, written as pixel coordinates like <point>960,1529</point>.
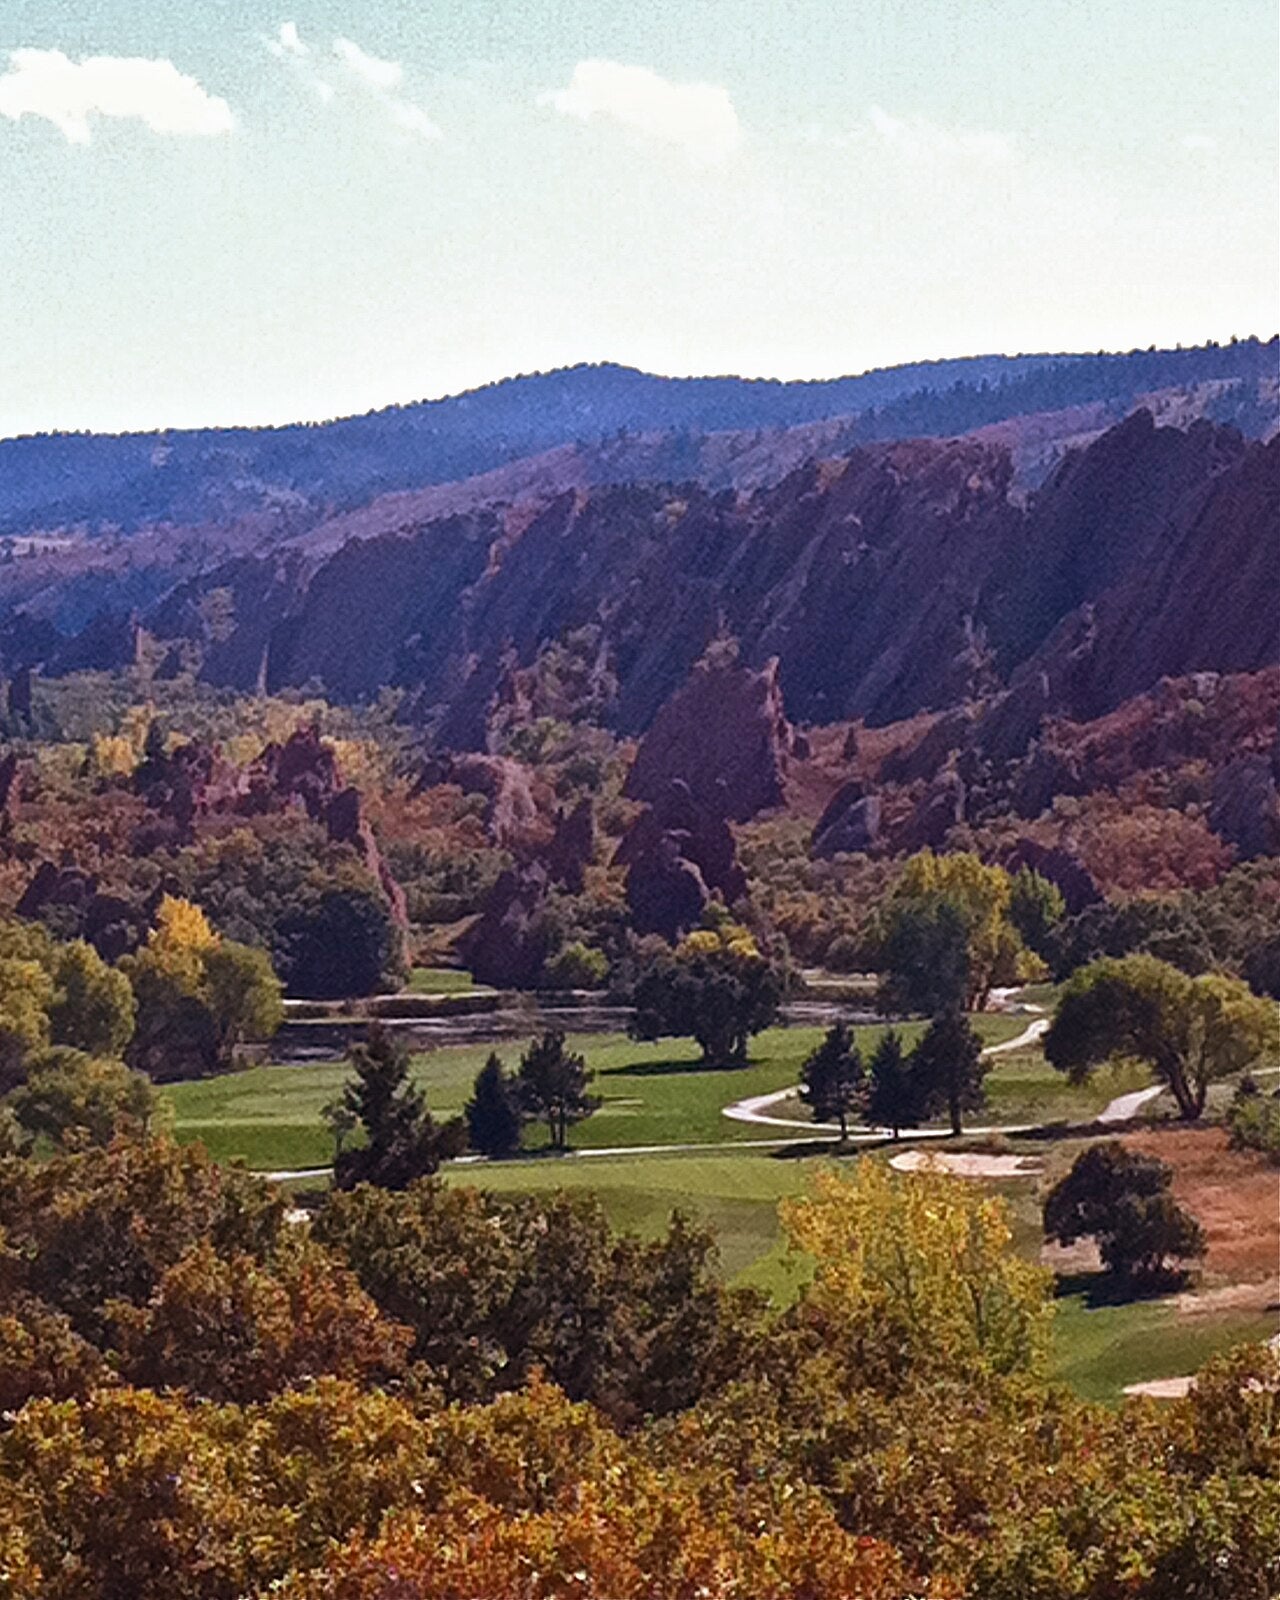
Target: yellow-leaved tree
<point>918,1269</point>
<point>946,936</point>
<point>199,996</point>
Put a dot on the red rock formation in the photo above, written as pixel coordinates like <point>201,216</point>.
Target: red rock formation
<point>850,824</point>
<point>512,816</point>
<point>724,735</point>
<point>509,942</point>
<point>677,854</point>
<point>572,846</point>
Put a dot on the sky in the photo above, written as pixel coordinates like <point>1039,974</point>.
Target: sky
<point>262,212</point>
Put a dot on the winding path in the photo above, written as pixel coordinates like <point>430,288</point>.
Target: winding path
<point>753,1110</point>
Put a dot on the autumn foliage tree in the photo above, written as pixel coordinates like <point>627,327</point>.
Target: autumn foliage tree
<point>199,996</point>
<point>946,936</point>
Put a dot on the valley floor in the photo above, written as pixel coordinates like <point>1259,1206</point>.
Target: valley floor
<point>660,1098</point>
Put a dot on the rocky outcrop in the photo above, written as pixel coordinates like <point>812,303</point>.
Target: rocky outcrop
<point>666,893</point>
<point>724,735</point>
<point>511,816</point>
<point>940,808</point>
<point>678,853</point>
<point>111,924</point>
<point>573,846</point>
<point>1057,863</point>
<point>1199,592</point>
<point>850,824</point>
<point>950,733</point>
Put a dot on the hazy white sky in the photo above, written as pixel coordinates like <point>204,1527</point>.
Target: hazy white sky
<point>248,212</point>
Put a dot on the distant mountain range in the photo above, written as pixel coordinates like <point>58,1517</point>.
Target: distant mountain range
<point>292,476</point>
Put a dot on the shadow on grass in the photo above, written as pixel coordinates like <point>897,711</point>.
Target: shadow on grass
<point>667,1069</point>
<point>1102,1288</point>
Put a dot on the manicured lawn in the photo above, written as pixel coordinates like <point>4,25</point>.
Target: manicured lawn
<point>652,1094</point>
<point>734,1191</point>
<point>439,980</point>
<point>1098,1350</point>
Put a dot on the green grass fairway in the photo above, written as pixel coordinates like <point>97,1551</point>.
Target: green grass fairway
<point>440,980</point>
<point>656,1093</point>
<point>1098,1351</point>
<point>736,1192</point>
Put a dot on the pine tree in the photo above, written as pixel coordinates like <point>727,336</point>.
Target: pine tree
<point>401,1139</point>
<point>892,1096</point>
<point>832,1078</point>
<point>553,1084</point>
<point>494,1117</point>
<point>948,1066</point>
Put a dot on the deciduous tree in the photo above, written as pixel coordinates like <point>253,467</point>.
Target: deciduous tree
<point>1190,1031</point>
<point>1124,1200</point>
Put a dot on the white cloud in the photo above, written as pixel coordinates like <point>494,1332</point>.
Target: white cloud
<point>366,76</point>
<point>697,117</point>
<point>376,72</point>
<point>413,119</point>
<point>1199,141</point>
<point>48,84</point>
<point>926,140</point>
<point>287,42</point>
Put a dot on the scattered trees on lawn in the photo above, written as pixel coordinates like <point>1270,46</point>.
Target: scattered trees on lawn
<point>1190,1031</point>
<point>552,1084</point>
<point>1123,1199</point>
<point>893,1090</point>
<point>947,1069</point>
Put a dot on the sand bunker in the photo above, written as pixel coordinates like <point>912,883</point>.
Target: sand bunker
<point>966,1164</point>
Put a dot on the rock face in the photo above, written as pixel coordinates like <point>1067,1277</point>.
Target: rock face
<point>724,735</point>
<point>677,854</point>
<point>937,811</point>
<point>902,577</point>
<point>1056,863</point>
<point>850,824</point>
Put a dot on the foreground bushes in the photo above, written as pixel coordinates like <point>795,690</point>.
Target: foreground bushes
<point>203,1402</point>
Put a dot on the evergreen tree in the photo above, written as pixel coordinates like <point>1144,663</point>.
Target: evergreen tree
<point>494,1117</point>
<point>401,1139</point>
<point>893,1092</point>
<point>832,1078</point>
<point>948,1067</point>
<point>553,1084</point>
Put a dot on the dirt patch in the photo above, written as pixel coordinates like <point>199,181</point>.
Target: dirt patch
<point>1235,1194</point>
<point>1261,1296</point>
